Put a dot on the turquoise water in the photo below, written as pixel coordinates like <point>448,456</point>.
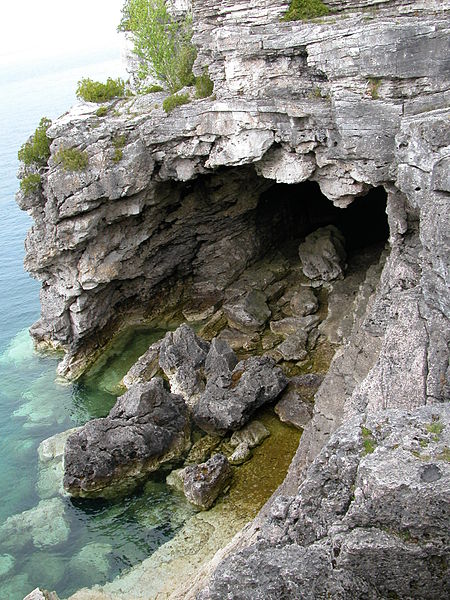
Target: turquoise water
<point>104,538</point>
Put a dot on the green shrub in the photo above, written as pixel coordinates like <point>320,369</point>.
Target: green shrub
<point>118,143</point>
<point>374,84</point>
<point>203,85</point>
<point>161,42</point>
<point>368,441</point>
<point>101,111</point>
<point>151,89</point>
<point>306,9</point>
<point>37,149</point>
<point>30,183</point>
<point>175,100</point>
<point>72,159</point>
<point>95,91</point>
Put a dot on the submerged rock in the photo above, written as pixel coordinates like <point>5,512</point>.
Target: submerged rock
<point>91,563</point>
<point>250,436</point>
<point>202,449</point>
<point>228,403</point>
<point>44,525</point>
<point>6,564</point>
<point>203,483</point>
<point>146,367</point>
<point>148,426</point>
<point>323,254</point>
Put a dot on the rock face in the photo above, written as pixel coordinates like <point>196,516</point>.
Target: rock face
<point>353,101</point>
<point>148,426</point>
<point>375,495</point>
<point>203,483</point>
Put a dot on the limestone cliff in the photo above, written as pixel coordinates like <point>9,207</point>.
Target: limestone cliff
<point>353,101</point>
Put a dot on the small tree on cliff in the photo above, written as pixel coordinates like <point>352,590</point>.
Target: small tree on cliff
<point>161,42</point>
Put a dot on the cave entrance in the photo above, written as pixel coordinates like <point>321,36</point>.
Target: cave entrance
<point>287,213</point>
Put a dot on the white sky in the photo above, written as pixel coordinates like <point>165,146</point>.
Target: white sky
<point>57,27</point>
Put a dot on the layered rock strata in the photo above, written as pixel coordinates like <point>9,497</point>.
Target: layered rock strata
<point>353,101</point>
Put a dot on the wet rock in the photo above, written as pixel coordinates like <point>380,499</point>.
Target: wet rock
<point>250,436</point>
<point>249,313</point>
<point>195,315</point>
<point>304,302</point>
<point>44,525</point>
<point>241,454</point>
<point>39,594</point>
<point>253,382</point>
<point>91,563</point>
<point>45,567</point>
<point>203,483</point>
<point>202,449</point>
<point>146,367</point>
<point>294,346</point>
<point>51,468</point>
<point>182,354</point>
<point>253,434</point>
<point>213,326</point>
<point>147,427</point>
<point>323,254</point>
<point>6,564</point>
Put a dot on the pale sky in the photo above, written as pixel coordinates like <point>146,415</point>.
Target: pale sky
<point>57,27</point>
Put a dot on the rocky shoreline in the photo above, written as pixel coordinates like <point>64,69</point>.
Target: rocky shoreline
<point>219,215</point>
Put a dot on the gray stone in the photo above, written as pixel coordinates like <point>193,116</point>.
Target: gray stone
<point>294,325</point>
<point>147,427</point>
<point>253,382</point>
<point>294,346</point>
<point>146,367</point>
<point>181,355</point>
<point>323,255</point>
<point>249,313</point>
<point>203,483</point>
<point>293,409</point>
<point>202,449</point>
<point>238,340</point>
<point>304,302</point>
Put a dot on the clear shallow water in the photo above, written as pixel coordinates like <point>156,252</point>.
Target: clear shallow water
<point>105,538</point>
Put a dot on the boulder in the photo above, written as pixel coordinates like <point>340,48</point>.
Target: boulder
<point>249,313</point>
<point>241,454</point>
<point>203,483</point>
<point>323,255</point>
<point>228,403</point>
<point>202,449</point>
<point>304,302</point>
<point>291,325</point>
<point>147,427</point>
<point>294,346</point>
<point>181,355</point>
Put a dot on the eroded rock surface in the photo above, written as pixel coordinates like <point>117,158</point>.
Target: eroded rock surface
<point>203,483</point>
<point>229,400</point>
<point>147,427</point>
<point>371,513</point>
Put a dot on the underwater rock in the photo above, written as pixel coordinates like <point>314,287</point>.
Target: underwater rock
<point>323,254</point>
<point>252,383</point>
<point>253,434</point>
<point>249,313</point>
<point>181,355</point>
<point>6,564</point>
<point>148,426</point>
<point>91,562</point>
<point>241,454</point>
<point>203,483</point>
<point>44,525</point>
<point>51,469</point>
<point>46,567</point>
